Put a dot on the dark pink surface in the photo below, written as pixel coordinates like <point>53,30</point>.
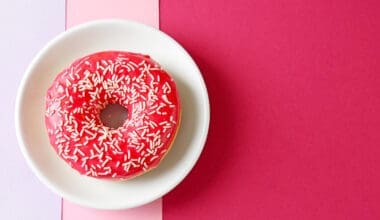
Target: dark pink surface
<point>295,96</point>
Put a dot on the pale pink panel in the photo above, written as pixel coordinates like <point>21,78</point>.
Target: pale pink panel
<point>150,211</point>
<point>80,11</point>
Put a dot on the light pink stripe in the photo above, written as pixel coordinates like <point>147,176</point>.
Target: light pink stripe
<point>152,211</point>
<point>145,11</point>
<point>80,11</point>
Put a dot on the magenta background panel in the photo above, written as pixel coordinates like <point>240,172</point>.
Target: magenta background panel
<point>295,99</point>
<point>25,28</point>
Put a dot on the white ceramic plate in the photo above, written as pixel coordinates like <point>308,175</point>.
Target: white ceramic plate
<point>111,35</point>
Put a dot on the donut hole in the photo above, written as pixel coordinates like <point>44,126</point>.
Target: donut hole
<point>113,115</point>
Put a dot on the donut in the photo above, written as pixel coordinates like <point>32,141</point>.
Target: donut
<point>79,94</point>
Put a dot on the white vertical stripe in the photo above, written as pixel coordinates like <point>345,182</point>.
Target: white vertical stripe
<point>25,27</point>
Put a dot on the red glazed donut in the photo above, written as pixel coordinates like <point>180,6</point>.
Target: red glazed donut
<point>80,92</point>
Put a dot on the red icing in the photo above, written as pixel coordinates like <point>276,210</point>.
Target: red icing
<point>80,92</point>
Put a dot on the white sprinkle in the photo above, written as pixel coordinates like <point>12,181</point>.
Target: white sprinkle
<point>96,148</point>
<point>126,167</point>
<point>80,152</point>
<point>165,98</point>
<point>133,64</point>
<point>68,83</point>
<point>105,162</point>
<point>117,164</point>
<point>154,158</point>
<point>83,162</point>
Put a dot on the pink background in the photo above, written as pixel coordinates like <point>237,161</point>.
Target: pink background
<point>295,96</point>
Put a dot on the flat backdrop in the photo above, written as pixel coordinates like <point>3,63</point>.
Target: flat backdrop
<point>294,88</point>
